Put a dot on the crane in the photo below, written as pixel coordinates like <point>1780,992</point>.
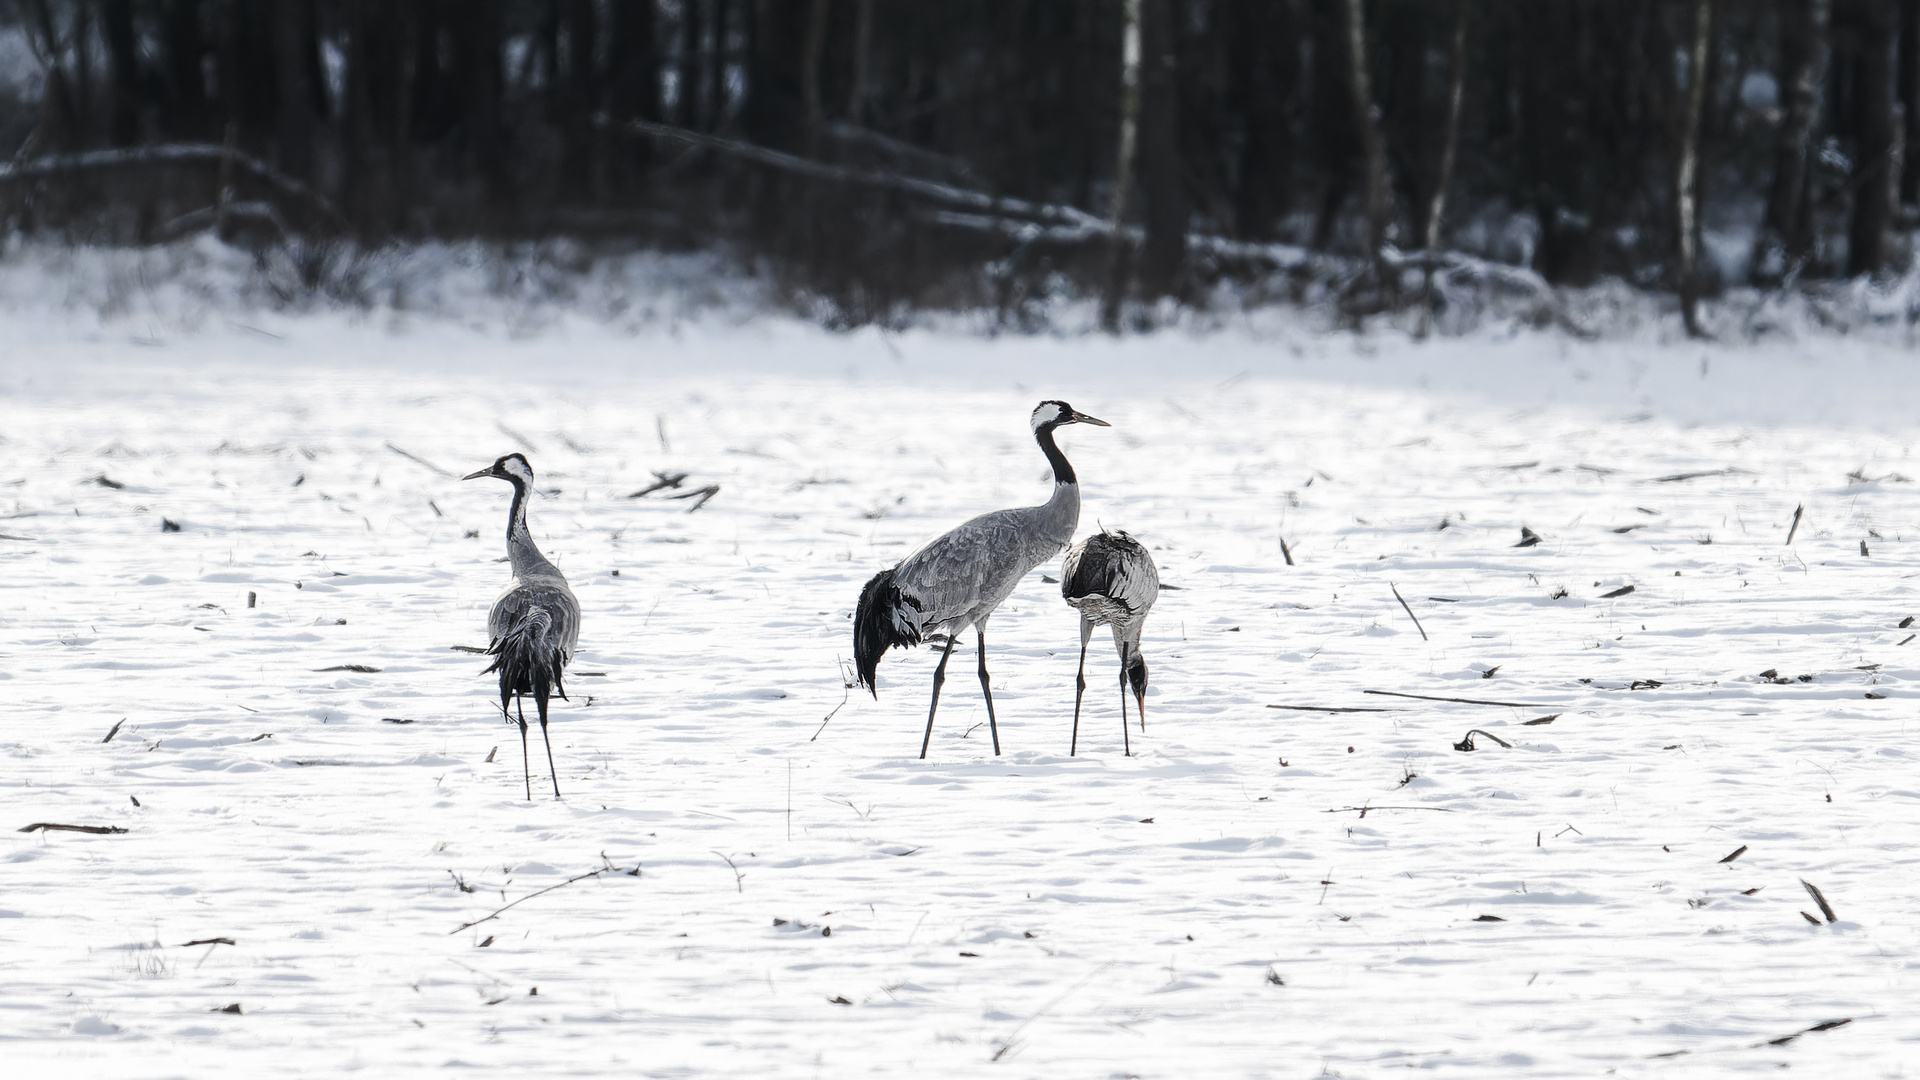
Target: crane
<point>958,578</point>
<point>534,625</point>
<point>1111,580</point>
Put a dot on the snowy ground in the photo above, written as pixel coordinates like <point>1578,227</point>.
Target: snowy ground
<point>1216,905</point>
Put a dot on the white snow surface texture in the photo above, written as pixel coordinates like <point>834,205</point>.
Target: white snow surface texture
<point>1257,892</point>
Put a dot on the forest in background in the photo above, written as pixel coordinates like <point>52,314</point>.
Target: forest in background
<point>890,153</point>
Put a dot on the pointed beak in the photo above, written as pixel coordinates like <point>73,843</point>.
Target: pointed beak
<point>478,475</point>
<point>1082,418</point>
<point>1142,699</point>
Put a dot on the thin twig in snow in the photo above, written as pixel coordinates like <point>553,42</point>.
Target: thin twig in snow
<point>500,911</point>
<point>1409,611</point>
<point>1462,700</point>
<point>847,681</point>
<point>1007,1043</point>
<point>738,877</point>
<point>1327,708</point>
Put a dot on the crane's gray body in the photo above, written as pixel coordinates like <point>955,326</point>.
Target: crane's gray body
<point>958,578</point>
<point>1110,579</point>
<point>538,605</point>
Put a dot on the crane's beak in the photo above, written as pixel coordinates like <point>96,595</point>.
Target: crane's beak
<point>488,471</point>
<point>1142,699</point>
<point>1079,417</point>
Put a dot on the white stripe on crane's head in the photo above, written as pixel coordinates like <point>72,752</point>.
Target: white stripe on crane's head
<point>515,466</point>
<point>1048,413</point>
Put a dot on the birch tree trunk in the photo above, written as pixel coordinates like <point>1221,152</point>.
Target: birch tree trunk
<point>1686,205</point>
<point>1122,167</point>
<point>1366,115</point>
<point>1449,150</point>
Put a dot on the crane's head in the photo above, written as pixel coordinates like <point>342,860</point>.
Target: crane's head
<point>1052,414</point>
<point>513,468</point>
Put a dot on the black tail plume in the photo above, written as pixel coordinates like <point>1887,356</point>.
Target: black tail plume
<point>527,662</point>
<point>885,619</point>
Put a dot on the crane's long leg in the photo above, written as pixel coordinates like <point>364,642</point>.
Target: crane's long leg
<point>1080,685</point>
<point>987,689</point>
<point>526,768</point>
<point>939,677</point>
<point>541,701</point>
<point>1125,742</point>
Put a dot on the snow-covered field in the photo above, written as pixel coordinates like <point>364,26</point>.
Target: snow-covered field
<point>1257,892</point>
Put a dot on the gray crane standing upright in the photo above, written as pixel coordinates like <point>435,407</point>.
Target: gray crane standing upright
<point>1111,580</point>
<point>534,625</point>
<point>958,578</point>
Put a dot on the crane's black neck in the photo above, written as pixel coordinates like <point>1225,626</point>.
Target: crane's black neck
<point>517,517</point>
<point>1062,468</point>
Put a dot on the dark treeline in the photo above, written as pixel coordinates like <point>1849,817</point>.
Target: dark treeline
<point>1681,145</point>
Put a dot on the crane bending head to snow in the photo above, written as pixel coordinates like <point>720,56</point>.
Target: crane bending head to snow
<point>535,624</point>
<point>958,578</point>
<point>1111,580</point>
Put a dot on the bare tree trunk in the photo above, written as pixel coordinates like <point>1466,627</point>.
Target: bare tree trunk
<point>59,126</point>
<point>295,134</point>
<point>810,76</point>
<point>83,69</point>
<point>688,80</point>
<point>717,65</point>
<point>632,87</point>
<point>482,33</point>
<point>1450,149</point>
<point>1163,255</point>
<point>1686,208</point>
<point>1788,229</point>
<point>1877,191</point>
<point>1909,95</point>
<point>186,85</point>
<point>579,91</point>
<point>365,181</point>
<point>862,43</point>
<point>123,72</point>
<point>400,164</point>
<point>1264,62</point>
<point>1122,168</point>
<point>1366,116</point>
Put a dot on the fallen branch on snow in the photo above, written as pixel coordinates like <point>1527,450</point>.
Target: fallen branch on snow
<point>47,826</point>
